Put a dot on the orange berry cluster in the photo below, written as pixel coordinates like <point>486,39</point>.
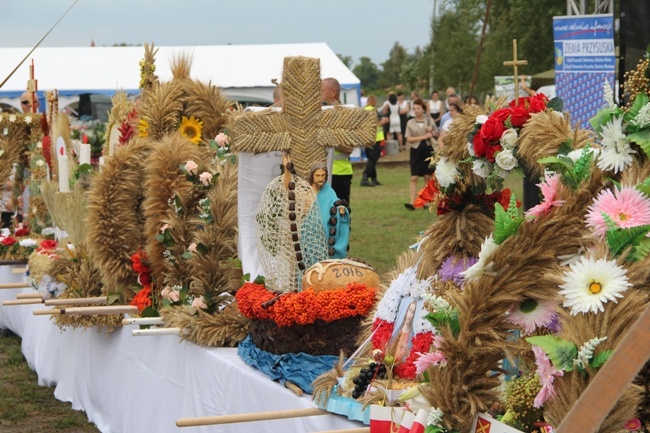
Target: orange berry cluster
<point>304,308</point>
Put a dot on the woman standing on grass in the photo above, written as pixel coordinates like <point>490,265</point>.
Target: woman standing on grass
<point>420,132</point>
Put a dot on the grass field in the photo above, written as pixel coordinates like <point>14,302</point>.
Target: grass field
<point>382,228</point>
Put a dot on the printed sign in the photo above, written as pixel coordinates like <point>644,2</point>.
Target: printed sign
<point>584,58</point>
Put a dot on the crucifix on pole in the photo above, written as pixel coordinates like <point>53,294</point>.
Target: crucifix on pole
<point>515,63</point>
<point>32,87</point>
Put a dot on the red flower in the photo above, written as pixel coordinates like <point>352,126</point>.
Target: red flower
<point>538,103</point>
<point>492,129</point>
<point>480,146</point>
<point>519,116</point>
<point>491,151</point>
<point>142,299</point>
<point>8,241</point>
<point>22,232</point>
<point>144,279</point>
<point>47,244</point>
<point>501,115</point>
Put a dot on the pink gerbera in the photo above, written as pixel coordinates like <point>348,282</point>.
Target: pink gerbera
<point>530,314</point>
<point>627,207</point>
<point>547,374</point>
<point>426,360</point>
<point>549,189</point>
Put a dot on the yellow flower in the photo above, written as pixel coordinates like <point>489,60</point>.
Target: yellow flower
<point>143,128</point>
<point>191,129</point>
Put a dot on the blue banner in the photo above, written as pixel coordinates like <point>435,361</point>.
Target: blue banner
<point>585,57</point>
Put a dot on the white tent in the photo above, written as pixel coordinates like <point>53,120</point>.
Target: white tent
<point>244,72</point>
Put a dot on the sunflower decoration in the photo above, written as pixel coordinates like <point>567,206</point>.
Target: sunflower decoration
<point>191,129</point>
<point>143,128</point>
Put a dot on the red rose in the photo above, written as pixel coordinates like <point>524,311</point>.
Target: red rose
<point>491,151</point>
<point>492,130</point>
<point>8,241</point>
<point>538,103</point>
<point>521,102</point>
<point>519,116</point>
<point>479,146</point>
<point>501,115</point>
<point>22,232</point>
<point>47,244</point>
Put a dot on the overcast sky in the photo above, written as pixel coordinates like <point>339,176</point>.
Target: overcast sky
<point>350,27</point>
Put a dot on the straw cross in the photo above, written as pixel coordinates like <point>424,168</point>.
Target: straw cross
<point>303,129</point>
<point>515,63</point>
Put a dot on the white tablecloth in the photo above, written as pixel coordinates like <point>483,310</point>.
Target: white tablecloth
<point>129,384</point>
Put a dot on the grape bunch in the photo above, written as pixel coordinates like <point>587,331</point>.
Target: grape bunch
<point>364,378</point>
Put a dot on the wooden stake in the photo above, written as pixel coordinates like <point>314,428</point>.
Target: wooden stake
<point>606,387</point>
<point>293,388</point>
<point>28,295</point>
<point>100,310</point>
<point>28,301</point>
<point>13,285</point>
<point>515,63</point>
<point>143,321</point>
<point>249,417</point>
<point>49,312</point>
<point>99,300</point>
<point>352,430</point>
<point>156,331</point>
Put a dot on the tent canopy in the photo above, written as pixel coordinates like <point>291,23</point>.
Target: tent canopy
<point>244,72</point>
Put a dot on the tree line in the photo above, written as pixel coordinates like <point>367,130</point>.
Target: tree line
<point>448,59</point>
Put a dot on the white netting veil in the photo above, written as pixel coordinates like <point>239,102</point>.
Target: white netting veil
<point>279,251</point>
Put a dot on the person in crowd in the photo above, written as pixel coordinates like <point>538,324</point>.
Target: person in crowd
<point>278,97</point>
<point>26,103</point>
<point>420,132</point>
<point>453,98</point>
<point>364,99</point>
<point>470,100</point>
<point>524,86</point>
<point>7,203</point>
<point>404,108</point>
<point>373,153</point>
<point>435,107</point>
<point>391,109</point>
<point>414,95</point>
<point>450,91</point>
<point>454,109</point>
<point>330,94</point>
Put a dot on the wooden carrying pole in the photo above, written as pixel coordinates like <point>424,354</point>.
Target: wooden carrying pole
<point>29,296</point>
<point>28,301</point>
<point>352,430</point>
<point>13,285</point>
<point>89,311</point>
<point>608,385</point>
<point>249,417</point>
<point>99,300</point>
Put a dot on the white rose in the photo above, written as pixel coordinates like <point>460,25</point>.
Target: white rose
<point>481,167</point>
<point>481,119</point>
<point>509,138</point>
<point>506,160</point>
<point>470,148</point>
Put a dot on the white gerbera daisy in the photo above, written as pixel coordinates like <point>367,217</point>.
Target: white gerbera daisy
<point>617,153</point>
<point>589,283</point>
<point>484,263</point>
<point>446,172</point>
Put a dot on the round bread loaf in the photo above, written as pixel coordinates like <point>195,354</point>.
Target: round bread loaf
<point>337,273</point>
